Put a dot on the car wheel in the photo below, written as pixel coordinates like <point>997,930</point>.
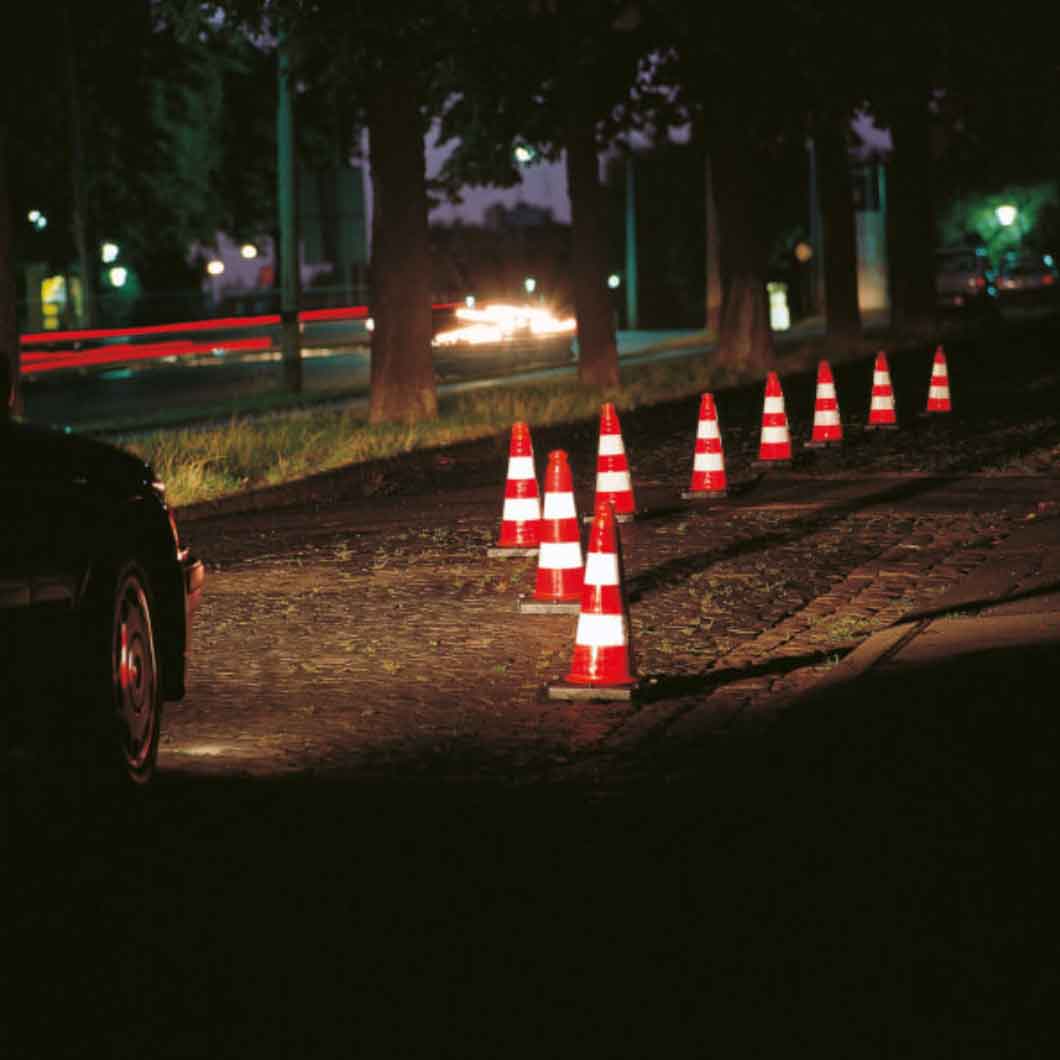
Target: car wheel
<point>132,692</point>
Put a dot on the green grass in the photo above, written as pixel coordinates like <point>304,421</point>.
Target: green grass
<point>283,444</point>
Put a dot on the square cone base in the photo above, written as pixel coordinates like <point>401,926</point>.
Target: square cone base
<point>527,605</point>
<point>592,693</point>
<point>496,552</point>
<point>703,495</point>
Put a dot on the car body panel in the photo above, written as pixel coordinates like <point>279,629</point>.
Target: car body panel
<point>71,508</point>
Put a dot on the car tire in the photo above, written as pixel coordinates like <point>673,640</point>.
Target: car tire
<point>127,686</point>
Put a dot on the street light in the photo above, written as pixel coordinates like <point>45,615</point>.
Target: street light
<point>1006,214</point>
<point>613,281</point>
<point>248,251</point>
<point>523,154</point>
<point>37,219</point>
<point>108,252</point>
<point>215,267</point>
<point>530,284</point>
<point>118,275</point>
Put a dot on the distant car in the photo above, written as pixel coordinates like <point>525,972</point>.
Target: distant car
<point>964,280</point>
<point>97,594</point>
<point>1029,277</point>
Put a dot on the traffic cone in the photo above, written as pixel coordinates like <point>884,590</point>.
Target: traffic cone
<point>775,447</point>
<point>708,461</point>
<point>601,667</point>
<point>939,390</point>
<point>521,515</point>
<point>827,426</point>
<point>559,569</point>
<point>881,409</point>
<point>612,469</point>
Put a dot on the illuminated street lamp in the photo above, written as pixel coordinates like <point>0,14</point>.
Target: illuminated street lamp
<point>523,154</point>
<point>117,276</point>
<point>1006,214</point>
<point>530,284</point>
<point>248,251</point>
<point>613,281</point>
<point>108,252</point>
<point>215,267</point>
<point>37,219</point>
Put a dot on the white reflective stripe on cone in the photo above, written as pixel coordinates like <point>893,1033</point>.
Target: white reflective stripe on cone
<point>559,506</point>
<point>773,405</point>
<point>774,434</point>
<point>520,509</point>
<point>827,417</point>
<point>601,568</point>
<point>708,429</point>
<point>882,401</point>
<point>826,390</point>
<point>611,445</point>
<point>521,467</point>
<point>939,392</point>
<point>707,462</point>
<point>612,482</point>
<point>881,379</point>
<point>560,555</point>
<point>600,631</point>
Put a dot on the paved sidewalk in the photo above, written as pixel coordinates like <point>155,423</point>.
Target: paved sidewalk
<point>1005,614</point>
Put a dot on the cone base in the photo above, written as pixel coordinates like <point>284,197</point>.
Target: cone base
<point>588,693</point>
<point>527,605</point>
<point>496,551</point>
<point>702,495</point>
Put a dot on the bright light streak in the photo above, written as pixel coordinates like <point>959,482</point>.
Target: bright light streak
<point>500,323</point>
<point>215,267</point>
<point>118,275</point>
<point>108,252</point>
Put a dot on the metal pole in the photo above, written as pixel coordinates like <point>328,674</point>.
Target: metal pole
<point>290,293</point>
<point>631,245</point>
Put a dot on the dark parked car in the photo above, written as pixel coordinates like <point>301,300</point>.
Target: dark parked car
<point>1029,278</point>
<point>97,595</point>
<point>964,280</point>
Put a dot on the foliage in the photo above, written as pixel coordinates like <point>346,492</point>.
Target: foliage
<point>973,220</point>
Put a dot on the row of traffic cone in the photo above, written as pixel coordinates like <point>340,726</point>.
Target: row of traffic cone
<point>602,663</point>
<point>775,447</point>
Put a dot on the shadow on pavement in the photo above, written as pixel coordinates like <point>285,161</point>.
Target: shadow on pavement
<point>864,875</point>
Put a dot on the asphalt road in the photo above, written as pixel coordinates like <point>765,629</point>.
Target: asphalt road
<point>371,835</point>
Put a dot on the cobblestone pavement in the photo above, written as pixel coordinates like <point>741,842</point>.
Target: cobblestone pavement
<point>366,630</point>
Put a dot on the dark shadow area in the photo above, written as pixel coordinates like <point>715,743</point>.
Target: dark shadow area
<point>865,875</point>
<point>974,606</point>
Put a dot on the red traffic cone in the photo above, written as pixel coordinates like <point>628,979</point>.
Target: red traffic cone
<point>559,568</point>
<point>827,426</point>
<point>939,390</point>
<point>708,461</point>
<point>881,408</point>
<point>521,516</point>
<point>612,468</point>
<point>601,667</point>
<point>775,446</point>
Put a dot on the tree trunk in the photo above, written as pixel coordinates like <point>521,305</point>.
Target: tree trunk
<point>911,219</point>
<point>714,293</point>
<point>745,341</point>
<point>840,234</point>
<point>10,391</point>
<point>402,374</point>
<point>597,348</point>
